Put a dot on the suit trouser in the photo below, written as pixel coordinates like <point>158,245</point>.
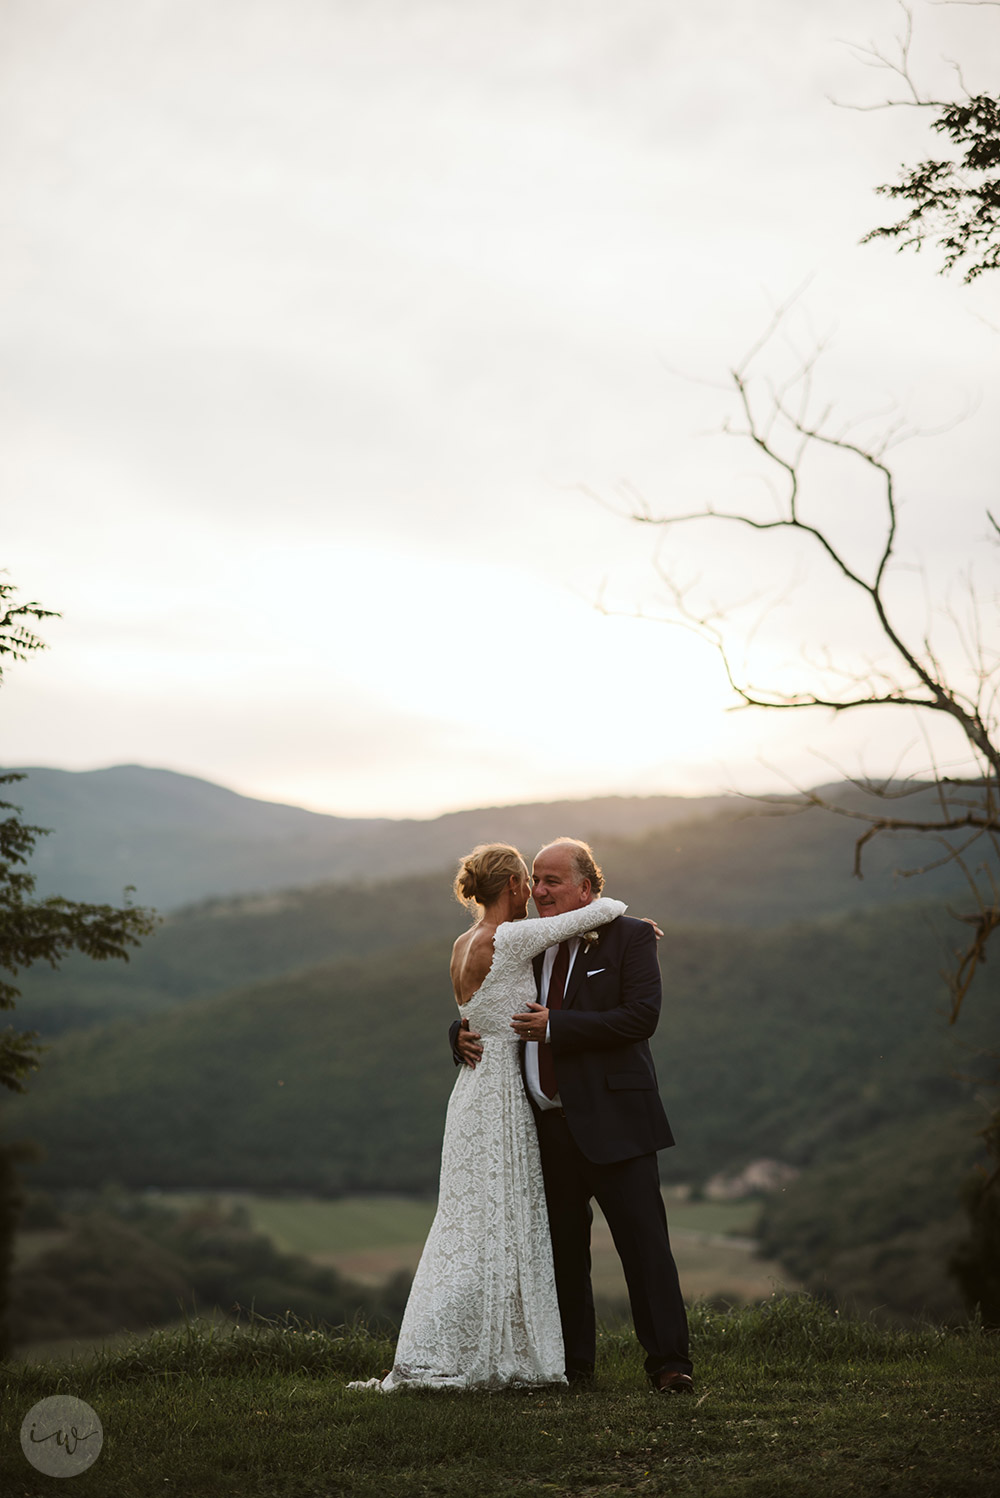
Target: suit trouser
<point>628,1192</point>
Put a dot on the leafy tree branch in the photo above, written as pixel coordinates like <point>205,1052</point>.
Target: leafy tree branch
<point>953,197</point>
<point>46,930</point>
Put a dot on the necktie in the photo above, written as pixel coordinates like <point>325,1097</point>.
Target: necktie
<point>557,988</point>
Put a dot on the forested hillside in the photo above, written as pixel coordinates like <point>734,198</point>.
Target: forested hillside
<point>221,944</point>
<point>819,1043</point>
<point>296,1039</point>
<point>875,1220</point>
<point>746,866</point>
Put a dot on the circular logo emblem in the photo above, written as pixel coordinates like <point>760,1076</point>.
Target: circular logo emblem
<point>61,1436</point>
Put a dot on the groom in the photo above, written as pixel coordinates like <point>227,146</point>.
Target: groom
<point>590,1078</point>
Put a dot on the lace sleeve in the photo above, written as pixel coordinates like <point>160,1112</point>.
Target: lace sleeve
<point>525,939</point>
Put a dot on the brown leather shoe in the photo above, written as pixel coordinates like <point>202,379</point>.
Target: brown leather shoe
<point>674,1383</point>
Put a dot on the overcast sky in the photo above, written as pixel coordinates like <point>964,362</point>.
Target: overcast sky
<point>327,326</point>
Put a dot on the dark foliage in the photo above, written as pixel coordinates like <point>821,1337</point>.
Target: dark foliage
<point>976,1262</point>
<point>130,1263</point>
<point>33,930</point>
<point>46,931</point>
<point>12,1200</point>
<point>37,931</point>
<point>956,199</point>
<point>873,1224</point>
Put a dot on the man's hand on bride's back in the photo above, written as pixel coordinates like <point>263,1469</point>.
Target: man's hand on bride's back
<point>467,1045</point>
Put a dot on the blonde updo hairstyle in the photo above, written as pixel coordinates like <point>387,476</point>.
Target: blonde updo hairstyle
<point>484,874</point>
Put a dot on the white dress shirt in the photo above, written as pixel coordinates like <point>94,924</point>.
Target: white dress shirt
<point>531,1047</point>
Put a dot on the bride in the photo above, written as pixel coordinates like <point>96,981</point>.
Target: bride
<point>482,1312</point>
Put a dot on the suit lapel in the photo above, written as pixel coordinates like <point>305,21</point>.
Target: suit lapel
<point>536,963</point>
<point>576,977</point>
<point>586,957</point>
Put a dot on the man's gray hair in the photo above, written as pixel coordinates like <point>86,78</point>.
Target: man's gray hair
<point>583,862</point>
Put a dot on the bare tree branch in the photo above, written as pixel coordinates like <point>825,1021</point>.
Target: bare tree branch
<point>781,428</point>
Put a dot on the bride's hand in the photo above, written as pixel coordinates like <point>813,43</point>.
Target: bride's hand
<point>650,922</point>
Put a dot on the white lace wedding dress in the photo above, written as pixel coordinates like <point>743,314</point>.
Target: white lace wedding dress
<point>482,1312</point>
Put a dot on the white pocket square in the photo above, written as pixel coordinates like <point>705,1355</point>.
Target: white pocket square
<point>593,972</point>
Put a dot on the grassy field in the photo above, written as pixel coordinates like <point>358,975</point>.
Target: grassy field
<point>371,1238</point>
<point>790,1400</point>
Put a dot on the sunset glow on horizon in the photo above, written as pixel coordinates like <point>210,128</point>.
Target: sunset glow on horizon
<point>338,343</point>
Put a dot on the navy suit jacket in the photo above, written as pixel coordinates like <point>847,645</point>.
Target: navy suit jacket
<point>600,1045</point>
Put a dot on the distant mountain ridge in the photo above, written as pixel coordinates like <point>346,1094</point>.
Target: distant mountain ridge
<point>248,1037</point>
<point>178,839</point>
<point>736,866</point>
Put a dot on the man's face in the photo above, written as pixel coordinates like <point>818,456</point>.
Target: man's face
<point>554,884</point>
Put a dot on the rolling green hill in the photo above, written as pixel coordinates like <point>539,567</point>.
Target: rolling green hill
<point>221,944</point>
<point>295,1039</point>
<point>327,1080</point>
<point>776,1042</point>
<point>875,1221</point>
<point>750,867</point>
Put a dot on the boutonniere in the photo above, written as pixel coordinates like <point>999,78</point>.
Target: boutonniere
<point>590,939</point>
